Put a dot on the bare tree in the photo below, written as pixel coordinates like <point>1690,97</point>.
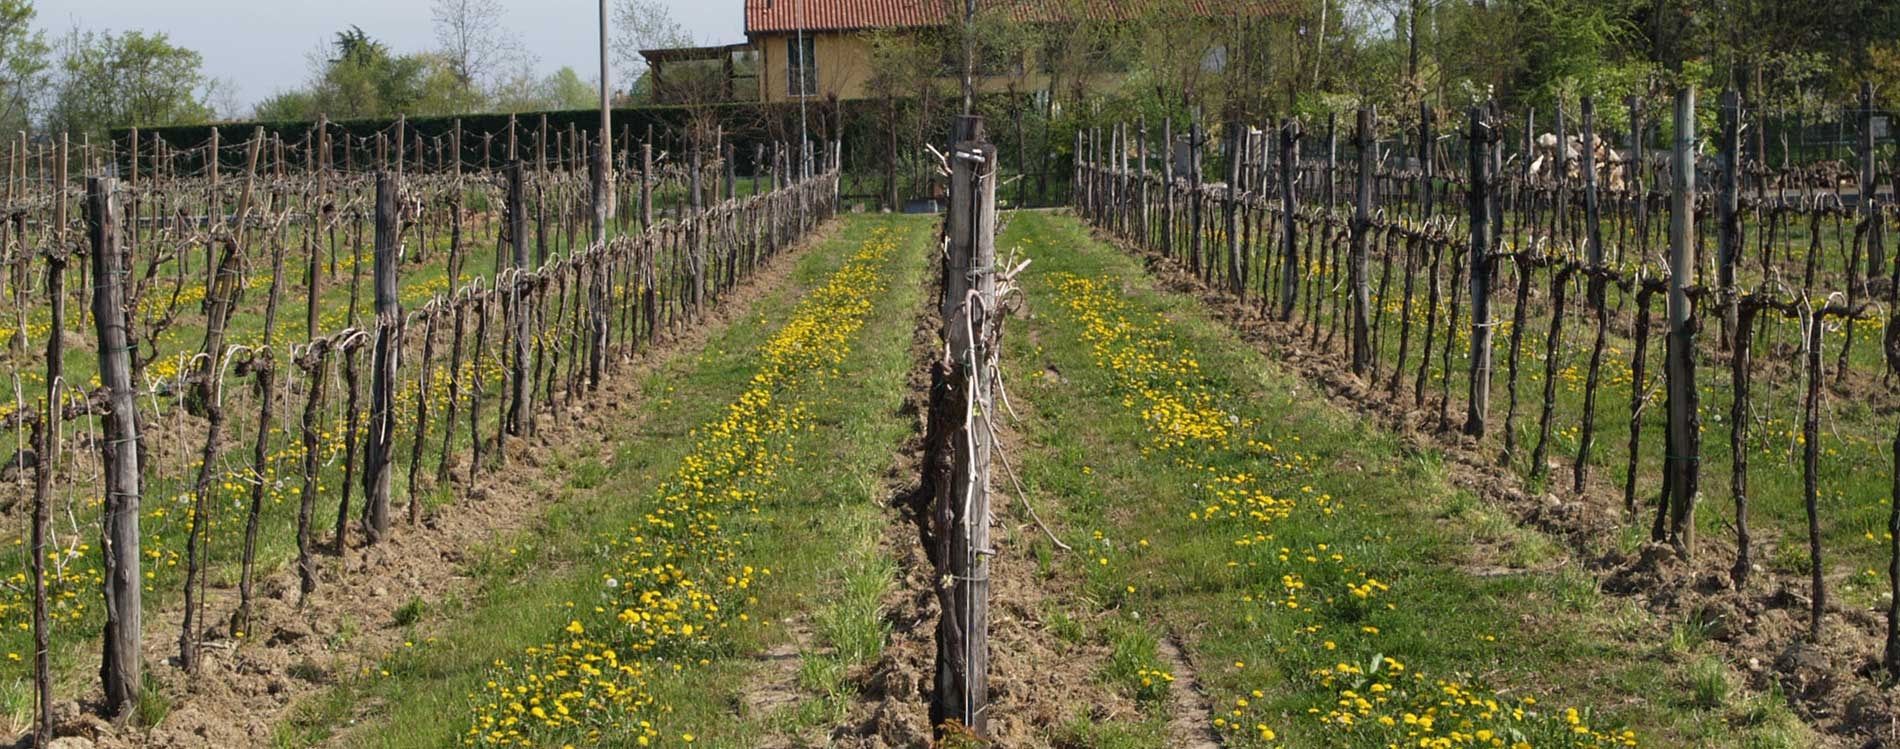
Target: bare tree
<point>474,40</point>
<point>643,24</point>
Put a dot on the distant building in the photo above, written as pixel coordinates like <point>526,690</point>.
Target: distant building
<point>822,48</point>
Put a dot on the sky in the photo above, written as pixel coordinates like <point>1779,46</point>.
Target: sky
<point>261,47</point>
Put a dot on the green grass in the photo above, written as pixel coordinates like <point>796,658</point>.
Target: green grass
<point>1393,515</point>
<point>1855,463</point>
<point>829,513</point>
<point>169,477</point>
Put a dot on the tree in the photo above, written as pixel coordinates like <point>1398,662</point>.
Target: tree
<point>111,80</point>
<point>473,40</point>
<point>562,89</point>
<point>23,63</point>
<point>643,24</point>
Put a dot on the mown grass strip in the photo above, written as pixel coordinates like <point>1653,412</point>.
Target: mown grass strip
<point>626,619</point>
<point>1323,576</point>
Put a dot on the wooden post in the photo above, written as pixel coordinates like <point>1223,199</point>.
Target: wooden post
<point>1727,213</point>
<point>1598,301</point>
<point>382,411</point>
<point>48,452</point>
<point>1359,277</point>
<point>1141,179</point>
<point>1230,207</point>
<point>1593,234</point>
<point>1869,180</point>
<point>597,277</point>
<point>1477,142</point>
<point>598,197</point>
<point>1330,190</point>
<point>122,665</point>
<point>1633,176</point>
<point>694,240</point>
<point>646,182</point>
<point>958,470</point>
<point>1167,186</point>
<point>1196,202</point>
<point>519,406</point>
<point>1426,167</point>
<point>1685,444</point>
<point>214,215</point>
<point>1290,252</point>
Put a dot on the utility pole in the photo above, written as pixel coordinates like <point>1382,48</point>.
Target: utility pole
<point>606,119</point>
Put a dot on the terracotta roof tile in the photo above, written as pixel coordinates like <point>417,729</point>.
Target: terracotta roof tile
<point>770,16</point>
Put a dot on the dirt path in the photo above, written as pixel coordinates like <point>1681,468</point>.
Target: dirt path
<point>241,693</point>
<point>1190,718</point>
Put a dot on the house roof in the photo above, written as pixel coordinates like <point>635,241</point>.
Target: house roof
<point>777,16</point>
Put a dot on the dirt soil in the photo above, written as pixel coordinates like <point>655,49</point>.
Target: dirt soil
<point>1836,684</point>
<point>240,693</point>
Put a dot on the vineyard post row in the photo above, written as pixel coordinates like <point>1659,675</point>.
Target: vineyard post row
<point>634,286</point>
<point>1556,216</point>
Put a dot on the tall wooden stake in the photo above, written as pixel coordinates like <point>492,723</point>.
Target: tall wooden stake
<point>962,546</point>
<point>1359,277</point>
<point>1478,402</point>
<point>1685,444</point>
<point>519,407</point>
<point>1290,253</point>
<point>121,665</point>
<point>382,411</point>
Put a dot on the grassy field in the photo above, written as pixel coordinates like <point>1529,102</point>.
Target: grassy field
<point>1855,465</point>
<point>1330,585</point>
<point>809,531</point>
<point>173,463</point>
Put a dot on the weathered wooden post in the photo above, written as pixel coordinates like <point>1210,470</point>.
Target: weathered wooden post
<point>1290,252</point>
<point>1477,142</point>
<point>1141,179</point>
<point>1330,194</point>
<point>122,665</point>
<point>1638,162</point>
<point>1598,301</point>
<point>1685,442</point>
<point>1363,140</point>
<point>958,458</point>
<point>1727,213</point>
<point>646,182</point>
<point>1167,186</point>
<point>1230,210</point>
<point>1196,206</point>
<point>520,409</point>
<point>48,451</point>
<point>384,361</point>
<point>1426,167</point>
<point>1869,180</point>
<point>597,275</point>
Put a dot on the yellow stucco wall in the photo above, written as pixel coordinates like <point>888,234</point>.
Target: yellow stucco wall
<point>844,67</point>
<point>844,64</point>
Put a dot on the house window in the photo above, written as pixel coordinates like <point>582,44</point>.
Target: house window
<point>801,66</point>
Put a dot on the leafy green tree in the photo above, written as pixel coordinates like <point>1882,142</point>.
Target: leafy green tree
<point>109,80</point>
<point>23,63</point>
<point>562,89</point>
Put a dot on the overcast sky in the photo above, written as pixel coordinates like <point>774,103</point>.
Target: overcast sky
<point>263,46</point>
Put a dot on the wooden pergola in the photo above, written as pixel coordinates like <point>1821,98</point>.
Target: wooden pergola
<point>726,56</point>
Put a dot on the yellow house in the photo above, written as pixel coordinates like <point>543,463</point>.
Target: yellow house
<point>821,48</point>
